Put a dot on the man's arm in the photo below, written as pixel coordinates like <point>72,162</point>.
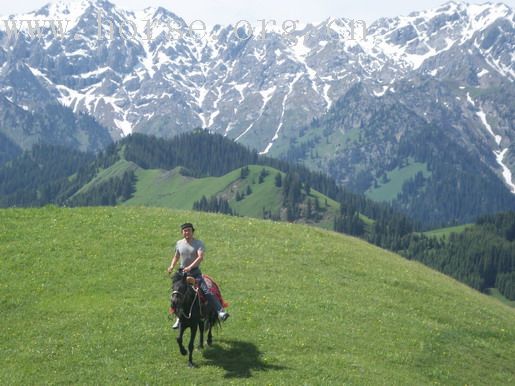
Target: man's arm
<point>174,261</point>
<point>196,262</point>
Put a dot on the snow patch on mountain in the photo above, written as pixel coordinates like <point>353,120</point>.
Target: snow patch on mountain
<point>266,96</point>
<point>124,125</point>
<point>481,114</point>
<point>506,172</point>
<point>68,97</point>
<point>382,92</point>
<point>281,120</point>
<point>483,71</point>
<point>327,98</point>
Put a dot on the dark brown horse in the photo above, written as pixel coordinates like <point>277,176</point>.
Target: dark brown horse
<point>192,313</point>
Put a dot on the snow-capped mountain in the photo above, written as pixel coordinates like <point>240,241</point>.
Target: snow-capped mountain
<point>151,72</point>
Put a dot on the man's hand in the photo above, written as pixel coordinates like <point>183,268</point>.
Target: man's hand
<point>170,269</point>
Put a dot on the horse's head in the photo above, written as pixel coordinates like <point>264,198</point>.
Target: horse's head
<point>180,286</point>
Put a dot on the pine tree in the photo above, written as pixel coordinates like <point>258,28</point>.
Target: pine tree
<point>278,180</point>
<point>244,172</point>
<point>309,210</point>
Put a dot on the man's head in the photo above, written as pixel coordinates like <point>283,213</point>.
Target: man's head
<point>187,230</point>
<point>187,225</point>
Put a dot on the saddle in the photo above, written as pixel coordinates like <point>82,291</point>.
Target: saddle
<point>211,285</point>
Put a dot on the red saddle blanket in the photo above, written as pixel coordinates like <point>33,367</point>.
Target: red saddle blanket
<point>214,289</point>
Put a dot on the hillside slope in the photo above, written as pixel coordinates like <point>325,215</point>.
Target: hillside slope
<point>426,160</point>
<point>84,300</point>
<point>48,124</point>
<point>250,196</point>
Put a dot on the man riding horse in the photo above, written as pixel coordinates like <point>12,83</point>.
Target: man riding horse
<point>189,251</point>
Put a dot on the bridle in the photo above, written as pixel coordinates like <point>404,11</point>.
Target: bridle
<point>181,311</point>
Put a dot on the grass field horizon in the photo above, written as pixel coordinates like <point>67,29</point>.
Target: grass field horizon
<point>84,300</point>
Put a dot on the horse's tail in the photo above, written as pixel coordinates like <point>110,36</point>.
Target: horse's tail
<point>210,315</point>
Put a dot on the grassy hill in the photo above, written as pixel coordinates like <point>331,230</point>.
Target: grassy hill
<point>84,300</point>
<point>389,189</point>
<point>171,189</point>
<point>104,175</point>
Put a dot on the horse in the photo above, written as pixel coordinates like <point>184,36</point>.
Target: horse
<point>192,313</point>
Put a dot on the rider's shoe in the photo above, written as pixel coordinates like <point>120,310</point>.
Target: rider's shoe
<point>176,324</point>
<point>223,315</point>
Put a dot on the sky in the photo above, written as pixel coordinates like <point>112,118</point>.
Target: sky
<point>231,11</point>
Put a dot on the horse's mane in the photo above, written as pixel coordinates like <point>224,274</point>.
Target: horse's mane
<point>177,276</point>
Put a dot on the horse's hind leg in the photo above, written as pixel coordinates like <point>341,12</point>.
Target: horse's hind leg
<point>209,334</point>
<point>193,330</point>
<point>179,340</point>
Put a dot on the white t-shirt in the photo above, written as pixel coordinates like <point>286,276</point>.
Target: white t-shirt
<point>188,252</point>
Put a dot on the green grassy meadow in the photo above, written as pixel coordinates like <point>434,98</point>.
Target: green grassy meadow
<point>168,188</point>
<point>388,191</point>
<point>84,300</point>
<point>445,232</point>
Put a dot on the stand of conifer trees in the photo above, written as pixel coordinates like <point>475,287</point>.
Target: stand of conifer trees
<point>213,204</point>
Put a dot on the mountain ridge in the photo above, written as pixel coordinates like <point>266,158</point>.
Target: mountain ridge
<point>448,68</point>
<point>207,73</point>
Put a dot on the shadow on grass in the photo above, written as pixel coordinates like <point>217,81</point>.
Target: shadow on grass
<point>238,360</point>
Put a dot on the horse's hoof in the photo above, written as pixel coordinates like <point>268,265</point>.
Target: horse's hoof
<point>184,352</point>
<point>191,365</point>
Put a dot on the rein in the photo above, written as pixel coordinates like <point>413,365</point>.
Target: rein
<point>192,303</point>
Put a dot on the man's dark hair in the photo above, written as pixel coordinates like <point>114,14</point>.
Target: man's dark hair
<point>187,225</point>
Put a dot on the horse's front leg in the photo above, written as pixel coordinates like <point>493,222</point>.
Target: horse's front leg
<point>201,330</point>
<point>193,330</point>
<point>179,339</point>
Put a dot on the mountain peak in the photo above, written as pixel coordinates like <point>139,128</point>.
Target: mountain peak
<point>67,9</point>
